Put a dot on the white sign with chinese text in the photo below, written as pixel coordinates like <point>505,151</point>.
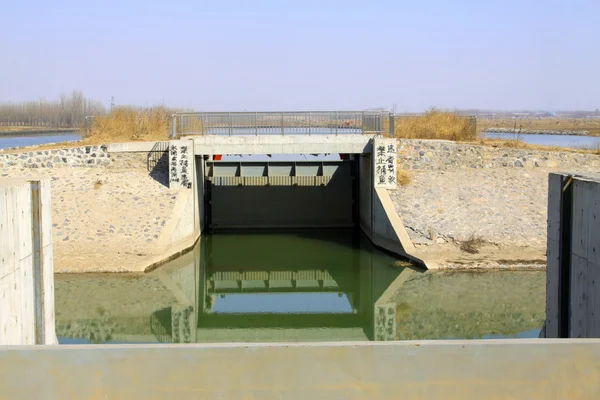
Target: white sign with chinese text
<point>181,164</point>
<point>384,163</point>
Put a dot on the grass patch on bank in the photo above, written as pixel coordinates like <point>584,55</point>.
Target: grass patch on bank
<point>436,124</point>
<point>403,178</point>
<point>126,124</point>
<point>98,184</point>
<point>522,145</point>
<point>472,245</point>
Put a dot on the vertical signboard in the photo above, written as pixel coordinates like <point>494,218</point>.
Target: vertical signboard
<point>384,163</point>
<point>181,164</point>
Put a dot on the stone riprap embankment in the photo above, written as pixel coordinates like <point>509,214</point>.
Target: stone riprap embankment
<point>536,131</point>
<point>446,155</point>
<point>106,218</point>
<point>460,192</point>
<point>85,156</point>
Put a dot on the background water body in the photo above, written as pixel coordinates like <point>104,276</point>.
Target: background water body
<point>567,141</point>
<point>12,140</point>
<point>322,286</point>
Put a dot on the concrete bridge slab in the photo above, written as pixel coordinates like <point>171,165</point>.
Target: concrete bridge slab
<point>309,144</point>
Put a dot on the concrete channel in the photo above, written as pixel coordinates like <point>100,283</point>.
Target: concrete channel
<point>515,369</point>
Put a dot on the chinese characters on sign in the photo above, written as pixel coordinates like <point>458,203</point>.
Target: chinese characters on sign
<point>385,163</point>
<point>180,164</point>
<point>385,322</point>
<point>184,164</point>
<point>173,157</point>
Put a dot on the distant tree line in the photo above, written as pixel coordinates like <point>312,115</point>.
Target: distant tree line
<point>69,111</point>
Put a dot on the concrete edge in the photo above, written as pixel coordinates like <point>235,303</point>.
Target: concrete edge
<point>172,252</point>
<point>402,235</point>
<point>399,343</point>
<point>393,288</point>
<point>147,264</point>
<point>395,219</point>
<point>132,147</point>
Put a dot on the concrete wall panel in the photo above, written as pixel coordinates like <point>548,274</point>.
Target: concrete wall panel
<point>553,257</point>
<point>273,206</point>
<point>26,267</point>
<point>365,173</point>
<point>583,297</point>
<point>515,369</point>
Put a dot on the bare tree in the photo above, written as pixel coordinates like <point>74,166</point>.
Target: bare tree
<point>69,111</point>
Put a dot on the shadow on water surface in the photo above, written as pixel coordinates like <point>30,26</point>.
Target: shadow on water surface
<point>294,286</point>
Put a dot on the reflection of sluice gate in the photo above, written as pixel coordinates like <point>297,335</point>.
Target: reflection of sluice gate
<point>366,282</point>
<point>276,281</point>
<point>174,325</point>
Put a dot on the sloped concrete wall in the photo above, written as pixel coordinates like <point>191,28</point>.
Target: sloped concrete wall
<point>26,264</point>
<point>378,217</point>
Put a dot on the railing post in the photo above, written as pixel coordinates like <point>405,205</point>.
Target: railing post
<point>174,127</point>
<point>362,122</point>
<point>309,116</point>
<point>392,124</point>
<point>230,122</point>
<point>202,123</point>
<point>282,126</point>
<point>337,123</point>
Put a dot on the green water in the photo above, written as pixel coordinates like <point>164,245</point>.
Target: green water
<point>300,286</point>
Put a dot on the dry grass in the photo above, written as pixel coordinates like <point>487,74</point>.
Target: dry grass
<point>592,125</point>
<point>472,245</point>
<point>403,178</point>
<point>130,124</point>
<point>435,124</point>
<point>402,264</point>
<point>519,144</point>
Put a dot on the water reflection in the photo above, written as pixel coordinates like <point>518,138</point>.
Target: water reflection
<point>567,141</point>
<point>300,286</point>
<point>472,305</point>
<point>25,139</point>
<point>303,286</point>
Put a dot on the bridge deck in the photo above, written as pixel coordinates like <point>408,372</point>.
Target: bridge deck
<point>277,144</point>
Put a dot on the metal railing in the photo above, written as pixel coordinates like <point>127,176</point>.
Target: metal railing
<point>281,123</point>
<point>158,157</point>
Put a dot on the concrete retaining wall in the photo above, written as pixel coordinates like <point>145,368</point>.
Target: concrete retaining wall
<point>86,156</point>
<point>378,217</point>
<point>445,155</point>
<point>200,192</point>
<point>26,263</point>
<point>114,156</point>
<point>499,369</point>
<point>186,221</point>
<point>181,226</point>
<point>274,206</point>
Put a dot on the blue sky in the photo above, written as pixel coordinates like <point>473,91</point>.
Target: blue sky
<point>299,55</point>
